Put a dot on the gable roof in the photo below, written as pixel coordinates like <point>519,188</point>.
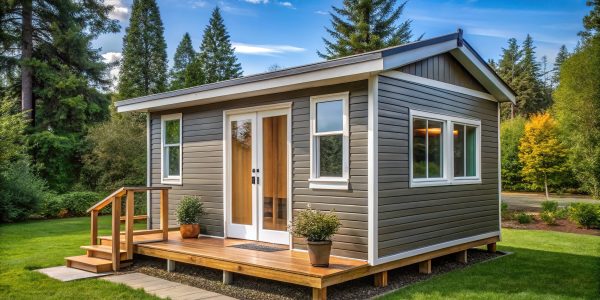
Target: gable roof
<point>350,68</point>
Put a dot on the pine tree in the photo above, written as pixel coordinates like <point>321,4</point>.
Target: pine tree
<point>546,81</point>
<point>591,21</point>
<point>365,25</point>
<point>562,55</point>
<point>184,56</point>
<point>216,58</point>
<point>144,66</point>
<point>530,99</point>
<point>509,71</point>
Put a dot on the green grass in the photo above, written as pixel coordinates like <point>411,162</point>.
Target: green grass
<point>545,265</point>
<point>25,247</point>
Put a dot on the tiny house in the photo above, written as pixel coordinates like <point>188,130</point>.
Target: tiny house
<point>401,143</point>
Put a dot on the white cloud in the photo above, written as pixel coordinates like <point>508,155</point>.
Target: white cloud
<point>267,50</point>
<point>320,12</point>
<point>119,12</point>
<point>113,58</point>
<point>198,3</point>
<point>286,4</point>
<point>257,1</point>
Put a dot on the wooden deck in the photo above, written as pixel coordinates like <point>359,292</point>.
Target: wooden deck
<point>289,266</point>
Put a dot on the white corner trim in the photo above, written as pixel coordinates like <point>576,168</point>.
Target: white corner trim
<point>372,166</point>
<point>148,170</point>
<point>435,247</point>
<point>174,180</point>
<point>438,84</point>
<point>499,177</point>
<point>487,78</point>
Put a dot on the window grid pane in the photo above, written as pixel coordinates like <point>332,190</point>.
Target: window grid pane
<point>419,148</point>
<point>435,149</point>
<point>459,150</point>
<point>330,116</point>
<point>173,160</point>
<point>172,132</point>
<point>330,153</point>
<point>471,151</point>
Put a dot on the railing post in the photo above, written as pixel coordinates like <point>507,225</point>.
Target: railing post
<point>94,227</point>
<point>129,224</point>
<point>164,213</point>
<point>116,233</point>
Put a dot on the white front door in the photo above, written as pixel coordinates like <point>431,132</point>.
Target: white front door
<point>258,184</point>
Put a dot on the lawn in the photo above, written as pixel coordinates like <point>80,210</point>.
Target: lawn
<point>38,244</point>
<point>545,265</point>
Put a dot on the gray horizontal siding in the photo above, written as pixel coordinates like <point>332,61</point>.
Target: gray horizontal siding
<point>411,218</point>
<point>203,164</point>
<point>443,67</point>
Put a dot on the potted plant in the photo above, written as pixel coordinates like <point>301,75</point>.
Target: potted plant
<point>189,211</point>
<point>316,227</point>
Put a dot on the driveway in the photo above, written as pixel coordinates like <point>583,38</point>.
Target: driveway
<point>532,201</point>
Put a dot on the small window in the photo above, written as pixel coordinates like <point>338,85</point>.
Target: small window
<point>171,149</point>
<point>329,141</point>
<point>440,156</point>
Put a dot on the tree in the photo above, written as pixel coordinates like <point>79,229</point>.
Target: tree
<point>562,55</point>
<point>577,108</point>
<point>216,58</point>
<point>144,66</point>
<point>365,25</point>
<point>530,99</point>
<point>184,56</point>
<point>541,153</point>
<point>591,21</point>
<point>511,132</point>
<point>509,71</point>
<point>274,67</point>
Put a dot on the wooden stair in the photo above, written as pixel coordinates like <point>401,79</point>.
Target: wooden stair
<point>90,264</point>
<point>104,252</point>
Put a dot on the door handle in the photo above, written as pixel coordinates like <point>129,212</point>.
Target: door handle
<point>253,180</point>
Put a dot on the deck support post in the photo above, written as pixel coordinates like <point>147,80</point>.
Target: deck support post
<point>227,277</point>
<point>170,265</point>
<point>319,293</point>
<point>129,224</point>
<point>116,233</point>
<point>461,256</point>
<point>491,248</point>
<point>381,279</point>
<point>425,267</point>
<point>94,229</point>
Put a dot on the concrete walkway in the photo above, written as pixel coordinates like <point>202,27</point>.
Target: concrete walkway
<point>533,201</point>
<point>164,288</point>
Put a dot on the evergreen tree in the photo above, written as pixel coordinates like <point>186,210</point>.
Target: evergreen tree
<point>562,55</point>
<point>184,56</point>
<point>509,71</point>
<point>216,58</point>
<point>591,22</point>
<point>365,25</point>
<point>530,99</point>
<point>144,65</point>
<point>546,82</point>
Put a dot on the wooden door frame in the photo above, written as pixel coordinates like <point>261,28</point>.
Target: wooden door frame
<point>226,158</point>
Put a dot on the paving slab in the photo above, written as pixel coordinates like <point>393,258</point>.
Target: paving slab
<point>63,273</point>
<point>165,289</point>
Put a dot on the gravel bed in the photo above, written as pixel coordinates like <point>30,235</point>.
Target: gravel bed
<point>252,288</point>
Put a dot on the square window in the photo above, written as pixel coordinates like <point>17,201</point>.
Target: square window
<point>330,116</point>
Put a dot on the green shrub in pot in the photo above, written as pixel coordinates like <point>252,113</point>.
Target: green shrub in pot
<point>317,227</point>
<point>189,213</point>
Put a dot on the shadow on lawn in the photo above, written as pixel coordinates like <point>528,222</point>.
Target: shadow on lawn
<point>525,274</point>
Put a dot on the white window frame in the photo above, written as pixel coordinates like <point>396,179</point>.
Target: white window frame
<point>447,148</point>
<point>164,178</point>
<point>334,183</point>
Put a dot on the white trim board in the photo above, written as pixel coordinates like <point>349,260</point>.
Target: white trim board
<point>438,84</point>
<point>435,247</point>
<point>372,166</point>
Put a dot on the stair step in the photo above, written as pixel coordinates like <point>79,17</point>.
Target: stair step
<point>103,251</point>
<point>90,264</point>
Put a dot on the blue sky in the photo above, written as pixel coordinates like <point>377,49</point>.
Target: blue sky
<point>288,33</point>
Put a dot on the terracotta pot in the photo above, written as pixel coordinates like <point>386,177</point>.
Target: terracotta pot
<point>189,231</point>
<point>318,252</point>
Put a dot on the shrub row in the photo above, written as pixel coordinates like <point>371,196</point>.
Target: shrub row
<point>72,204</point>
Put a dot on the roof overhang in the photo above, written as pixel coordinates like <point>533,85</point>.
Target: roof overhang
<point>347,69</point>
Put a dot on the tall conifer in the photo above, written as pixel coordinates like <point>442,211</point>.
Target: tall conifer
<point>184,56</point>
<point>365,25</point>
<point>530,98</point>
<point>216,58</point>
<point>508,69</point>
<point>144,66</point>
<point>562,55</point>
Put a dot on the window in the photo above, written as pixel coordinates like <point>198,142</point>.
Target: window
<point>171,149</point>
<point>439,156</point>
<point>329,141</point>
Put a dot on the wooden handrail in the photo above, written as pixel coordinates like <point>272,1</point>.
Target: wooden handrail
<point>121,191</point>
<point>115,200</point>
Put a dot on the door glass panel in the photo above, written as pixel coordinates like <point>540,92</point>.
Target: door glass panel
<point>274,173</point>
<point>241,172</point>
